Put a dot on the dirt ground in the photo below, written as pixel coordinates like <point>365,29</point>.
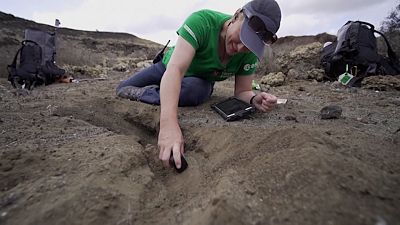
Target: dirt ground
<point>77,154</point>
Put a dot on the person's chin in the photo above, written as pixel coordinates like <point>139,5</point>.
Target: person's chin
<point>231,52</point>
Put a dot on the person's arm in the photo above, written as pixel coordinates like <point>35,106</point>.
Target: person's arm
<point>262,101</point>
<point>170,137</point>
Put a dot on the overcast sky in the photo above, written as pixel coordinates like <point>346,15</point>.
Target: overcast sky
<point>157,20</point>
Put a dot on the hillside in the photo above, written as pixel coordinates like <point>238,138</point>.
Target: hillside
<point>76,47</point>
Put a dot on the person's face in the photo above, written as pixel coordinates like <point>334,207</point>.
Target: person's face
<point>233,44</point>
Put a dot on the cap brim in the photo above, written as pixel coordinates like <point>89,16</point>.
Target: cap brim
<point>251,40</point>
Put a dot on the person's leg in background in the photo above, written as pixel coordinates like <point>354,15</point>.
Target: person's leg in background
<point>194,90</point>
<point>149,76</point>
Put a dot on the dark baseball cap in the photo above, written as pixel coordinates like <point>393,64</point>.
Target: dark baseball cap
<point>262,21</point>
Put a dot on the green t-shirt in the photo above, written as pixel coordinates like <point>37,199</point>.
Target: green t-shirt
<point>201,30</point>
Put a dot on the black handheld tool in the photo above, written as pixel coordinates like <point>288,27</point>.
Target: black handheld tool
<point>184,164</point>
<point>160,54</point>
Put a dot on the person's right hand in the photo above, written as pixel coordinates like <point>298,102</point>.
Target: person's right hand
<point>170,139</point>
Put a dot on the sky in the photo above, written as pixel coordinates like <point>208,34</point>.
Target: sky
<point>158,20</point>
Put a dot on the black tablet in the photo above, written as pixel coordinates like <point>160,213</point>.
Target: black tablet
<point>233,109</point>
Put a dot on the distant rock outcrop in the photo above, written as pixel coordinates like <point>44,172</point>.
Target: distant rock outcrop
<point>294,56</point>
<point>303,58</point>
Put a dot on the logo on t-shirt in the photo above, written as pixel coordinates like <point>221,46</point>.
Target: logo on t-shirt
<point>247,67</point>
<point>223,74</point>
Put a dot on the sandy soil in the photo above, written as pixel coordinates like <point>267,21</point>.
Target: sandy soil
<point>77,154</point>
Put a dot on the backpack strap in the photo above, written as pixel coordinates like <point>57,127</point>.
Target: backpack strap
<point>12,68</point>
<point>371,27</point>
<point>394,61</point>
<point>392,55</point>
<point>14,62</point>
<point>23,43</point>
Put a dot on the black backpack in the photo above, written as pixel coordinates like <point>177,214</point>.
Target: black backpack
<point>355,48</point>
<point>36,61</point>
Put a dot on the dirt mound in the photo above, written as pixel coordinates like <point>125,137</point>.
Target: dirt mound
<point>77,154</point>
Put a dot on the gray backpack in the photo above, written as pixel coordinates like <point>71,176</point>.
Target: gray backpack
<point>36,61</point>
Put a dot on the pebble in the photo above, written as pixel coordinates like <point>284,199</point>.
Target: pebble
<point>290,118</point>
<point>331,112</point>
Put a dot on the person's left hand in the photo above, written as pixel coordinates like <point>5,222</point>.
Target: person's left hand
<point>264,102</point>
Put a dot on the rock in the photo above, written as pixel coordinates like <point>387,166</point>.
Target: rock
<point>97,71</point>
<point>293,74</point>
<point>336,84</point>
<point>121,67</point>
<point>303,58</point>
<point>315,74</point>
<point>306,51</point>
<point>265,87</point>
<point>352,90</point>
<point>363,120</point>
<point>20,92</point>
<point>381,83</point>
<point>144,64</point>
<point>290,118</point>
<point>273,79</point>
<point>331,112</point>
<point>395,101</point>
